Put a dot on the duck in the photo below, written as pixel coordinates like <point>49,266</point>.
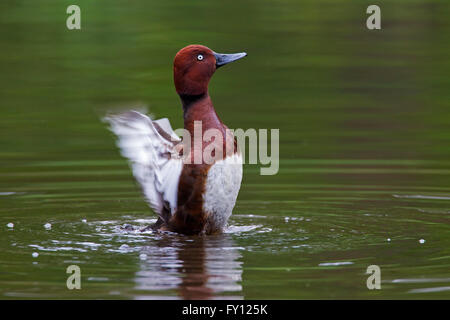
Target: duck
<point>189,196</point>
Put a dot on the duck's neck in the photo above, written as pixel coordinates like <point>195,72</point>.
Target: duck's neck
<point>190,100</point>
<point>200,108</point>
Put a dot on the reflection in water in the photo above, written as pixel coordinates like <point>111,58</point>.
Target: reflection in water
<point>196,267</point>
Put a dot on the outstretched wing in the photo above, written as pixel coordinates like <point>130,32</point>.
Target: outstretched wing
<point>149,146</point>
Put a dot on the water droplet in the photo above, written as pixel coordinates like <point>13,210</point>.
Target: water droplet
<point>143,256</point>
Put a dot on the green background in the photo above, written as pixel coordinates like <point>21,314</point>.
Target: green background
<point>364,119</point>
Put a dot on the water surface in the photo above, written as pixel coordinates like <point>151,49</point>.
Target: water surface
<point>364,144</point>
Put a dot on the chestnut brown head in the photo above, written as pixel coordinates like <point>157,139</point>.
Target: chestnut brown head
<point>194,66</point>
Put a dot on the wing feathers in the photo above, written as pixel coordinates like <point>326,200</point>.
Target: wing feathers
<point>149,146</point>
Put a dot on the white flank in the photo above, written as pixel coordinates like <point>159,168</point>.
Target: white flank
<point>221,190</point>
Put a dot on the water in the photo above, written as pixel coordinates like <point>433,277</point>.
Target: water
<point>364,135</point>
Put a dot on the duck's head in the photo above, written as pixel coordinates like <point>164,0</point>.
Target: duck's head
<point>194,65</point>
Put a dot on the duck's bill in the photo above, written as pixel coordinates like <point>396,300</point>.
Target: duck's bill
<point>223,58</point>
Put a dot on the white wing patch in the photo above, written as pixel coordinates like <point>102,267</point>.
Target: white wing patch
<point>153,159</point>
<point>221,190</point>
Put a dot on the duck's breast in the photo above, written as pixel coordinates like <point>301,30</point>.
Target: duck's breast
<point>221,190</point>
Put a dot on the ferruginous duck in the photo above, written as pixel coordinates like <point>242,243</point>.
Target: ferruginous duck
<point>191,183</point>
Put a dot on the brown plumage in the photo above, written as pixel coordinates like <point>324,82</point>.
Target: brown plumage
<point>195,209</point>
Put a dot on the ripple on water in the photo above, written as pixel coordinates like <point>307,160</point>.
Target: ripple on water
<point>239,229</point>
<point>429,290</point>
<point>420,280</point>
<point>335,264</point>
<point>420,196</point>
<point>7,193</point>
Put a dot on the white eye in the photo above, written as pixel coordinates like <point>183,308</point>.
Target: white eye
<point>200,57</point>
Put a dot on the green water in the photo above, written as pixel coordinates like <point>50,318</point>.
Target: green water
<point>364,119</point>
